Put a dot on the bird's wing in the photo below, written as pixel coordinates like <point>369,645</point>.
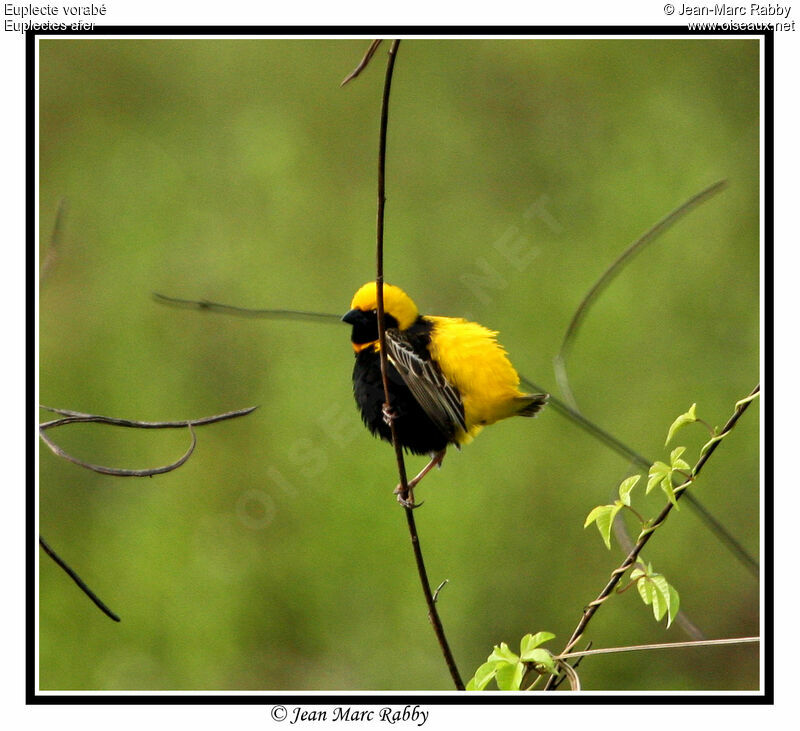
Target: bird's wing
<point>438,398</point>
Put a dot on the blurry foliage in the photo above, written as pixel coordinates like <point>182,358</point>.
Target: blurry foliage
<point>239,171</point>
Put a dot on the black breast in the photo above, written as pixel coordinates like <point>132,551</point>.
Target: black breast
<point>415,431</point>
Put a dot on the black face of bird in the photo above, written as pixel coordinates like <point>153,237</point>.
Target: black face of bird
<point>365,325</point>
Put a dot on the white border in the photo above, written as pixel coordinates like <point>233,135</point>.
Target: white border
<point>402,694</point>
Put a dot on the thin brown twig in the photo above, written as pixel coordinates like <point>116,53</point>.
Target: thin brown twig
<point>646,534</point>
<point>573,665</point>
<point>433,614</point>
<point>570,673</point>
<point>245,311</point>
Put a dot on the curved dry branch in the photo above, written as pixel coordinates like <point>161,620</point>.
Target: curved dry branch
<point>76,417</point>
<point>119,471</point>
<point>560,361</point>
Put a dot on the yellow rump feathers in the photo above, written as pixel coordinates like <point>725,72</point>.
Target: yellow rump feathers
<point>471,359</point>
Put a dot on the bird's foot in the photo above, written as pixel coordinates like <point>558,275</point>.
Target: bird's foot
<point>408,500</point>
<point>389,414</point>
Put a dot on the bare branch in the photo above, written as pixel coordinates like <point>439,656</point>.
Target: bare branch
<point>573,665</point>
<point>118,471</point>
<point>246,311</point>
<point>77,579</point>
<point>660,646</point>
<point>438,589</point>
<point>572,675</point>
<point>79,417</point>
<point>76,417</point>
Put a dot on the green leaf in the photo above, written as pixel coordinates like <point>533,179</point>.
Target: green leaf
<point>660,595</point>
<point>655,590</point>
<point>530,642</point>
<point>659,604</point>
<point>660,582</point>
<point>658,471</point>
<point>669,491</point>
<point>482,676</point>
<point>542,657</point>
<point>503,653</point>
<point>625,489</point>
<point>688,418</point>
<point>675,454</point>
<point>646,590</point>
<point>509,675</point>
<point>603,516</point>
<point>594,514</point>
<point>676,461</point>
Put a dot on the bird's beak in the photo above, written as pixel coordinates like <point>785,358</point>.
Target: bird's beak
<point>353,316</point>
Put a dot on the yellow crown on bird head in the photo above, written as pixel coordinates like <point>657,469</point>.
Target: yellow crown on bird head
<point>395,303</point>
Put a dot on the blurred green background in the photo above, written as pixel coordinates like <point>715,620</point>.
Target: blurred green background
<point>277,558</point>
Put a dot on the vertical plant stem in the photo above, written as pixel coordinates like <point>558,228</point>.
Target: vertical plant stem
<point>433,614</point>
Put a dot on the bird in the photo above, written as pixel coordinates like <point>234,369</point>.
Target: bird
<point>448,377</point>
